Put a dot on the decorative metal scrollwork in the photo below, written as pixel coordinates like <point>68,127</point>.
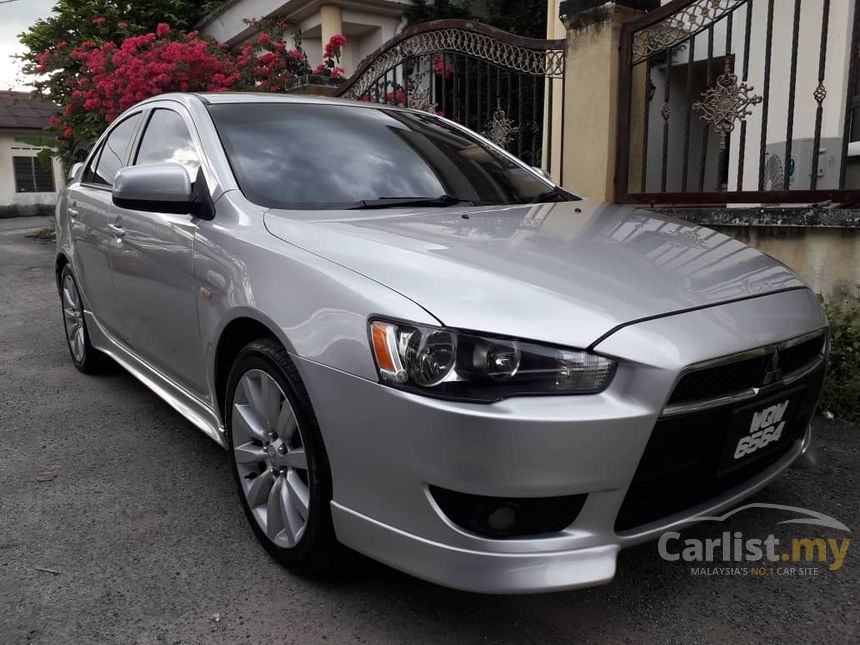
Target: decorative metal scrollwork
<point>547,63</point>
<point>679,26</point>
<point>418,97</point>
<point>820,94</point>
<point>666,111</point>
<point>725,103</point>
<point>501,130</point>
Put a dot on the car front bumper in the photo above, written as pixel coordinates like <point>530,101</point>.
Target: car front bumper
<point>387,448</point>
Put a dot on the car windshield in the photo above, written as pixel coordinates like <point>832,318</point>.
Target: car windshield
<point>317,156</point>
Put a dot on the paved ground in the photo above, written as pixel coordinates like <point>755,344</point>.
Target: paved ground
<point>119,523</point>
<point>11,225</point>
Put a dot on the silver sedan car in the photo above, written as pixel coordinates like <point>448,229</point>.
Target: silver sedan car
<point>416,346</point>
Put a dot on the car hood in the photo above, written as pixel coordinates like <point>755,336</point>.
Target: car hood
<point>566,273</point>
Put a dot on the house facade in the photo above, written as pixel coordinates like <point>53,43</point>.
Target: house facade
<point>26,186</point>
<point>367,24</point>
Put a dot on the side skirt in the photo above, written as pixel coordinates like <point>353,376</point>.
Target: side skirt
<point>189,406</point>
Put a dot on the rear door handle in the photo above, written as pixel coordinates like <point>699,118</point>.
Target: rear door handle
<point>119,231</point>
<point>73,213</point>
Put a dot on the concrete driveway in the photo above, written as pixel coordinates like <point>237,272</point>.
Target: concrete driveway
<point>119,523</point>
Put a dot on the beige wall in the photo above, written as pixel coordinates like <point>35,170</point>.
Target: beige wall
<point>828,259</point>
<point>25,203</point>
<point>555,29</point>
<point>591,99</point>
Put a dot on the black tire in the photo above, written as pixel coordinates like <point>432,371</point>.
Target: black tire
<point>317,547</point>
<point>93,361</point>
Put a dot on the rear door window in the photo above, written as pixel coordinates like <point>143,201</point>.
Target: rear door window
<point>113,154</point>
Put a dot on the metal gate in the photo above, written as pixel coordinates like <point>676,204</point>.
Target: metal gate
<point>740,101</point>
<point>493,82</point>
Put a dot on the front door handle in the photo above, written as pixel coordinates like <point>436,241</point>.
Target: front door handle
<point>119,231</point>
<point>73,213</point>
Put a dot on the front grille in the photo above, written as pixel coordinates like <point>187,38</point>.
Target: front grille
<point>718,381</point>
<point>732,377</point>
<point>680,468</point>
<point>799,356</point>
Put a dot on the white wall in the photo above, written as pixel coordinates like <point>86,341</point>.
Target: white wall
<point>835,81</point>
<point>809,44</point>
<point>26,203</point>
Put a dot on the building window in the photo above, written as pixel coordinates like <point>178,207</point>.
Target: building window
<point>31,176</point>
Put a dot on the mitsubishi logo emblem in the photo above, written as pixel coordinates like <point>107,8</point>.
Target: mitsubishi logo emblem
<point>772,371</point>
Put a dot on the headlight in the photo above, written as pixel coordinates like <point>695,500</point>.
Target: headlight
<point>461,365</point>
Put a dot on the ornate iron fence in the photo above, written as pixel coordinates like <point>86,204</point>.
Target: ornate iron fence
<point>740,101</point>
<point>493,82</point>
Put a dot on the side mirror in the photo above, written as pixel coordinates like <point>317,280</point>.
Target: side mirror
<point>163,188</point>
<point>75,171</point>
<point>156,188</point>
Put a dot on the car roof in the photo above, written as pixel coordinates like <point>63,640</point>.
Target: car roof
<point>221,98</point>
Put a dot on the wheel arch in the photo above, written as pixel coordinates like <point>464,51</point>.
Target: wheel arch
<point>243,328</point>
<point>59,262</point>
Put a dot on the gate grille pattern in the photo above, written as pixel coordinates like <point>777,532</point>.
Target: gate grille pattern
<point>740,101</point>
<point>493,82</point>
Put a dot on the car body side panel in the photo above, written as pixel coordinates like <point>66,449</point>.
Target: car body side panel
<point>154,288</point>
<point>155,293</point>
<point>87,226</point>
<point>321,308</point>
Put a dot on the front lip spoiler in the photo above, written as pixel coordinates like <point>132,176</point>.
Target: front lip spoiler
<point>494,572</point>
<point>470,570</point>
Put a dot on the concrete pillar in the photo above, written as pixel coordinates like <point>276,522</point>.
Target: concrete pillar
<point>331,22</point>
<point>588,137</point>
<point>552,145</point>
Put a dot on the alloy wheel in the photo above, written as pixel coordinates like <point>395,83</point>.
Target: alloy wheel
<point>270,458</point>
<point>73,318</point>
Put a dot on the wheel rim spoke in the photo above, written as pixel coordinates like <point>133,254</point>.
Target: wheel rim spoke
<point>286,424</point>
<point>299,494</point>
<point>270,400</point>
<point>248,453</point>
<point>297,459</point>
<point>247,424</point>
<point>270,453</point>
<point>258,492</point>
<point>73,318</point>
<point>254,397</point>
<point>70,294</point>
<point>275,520</point>
<point>79,343</point>
<point>294,523</point>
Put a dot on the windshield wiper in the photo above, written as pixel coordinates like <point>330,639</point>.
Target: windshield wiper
<point>557,194</point>
<point>396,202</point>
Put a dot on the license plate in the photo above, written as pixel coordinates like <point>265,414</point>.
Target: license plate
<point>759,428</point>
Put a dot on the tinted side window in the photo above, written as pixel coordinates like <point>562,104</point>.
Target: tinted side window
<point>89,176</point>
<point>167,139</point>
<point>113,153</point>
